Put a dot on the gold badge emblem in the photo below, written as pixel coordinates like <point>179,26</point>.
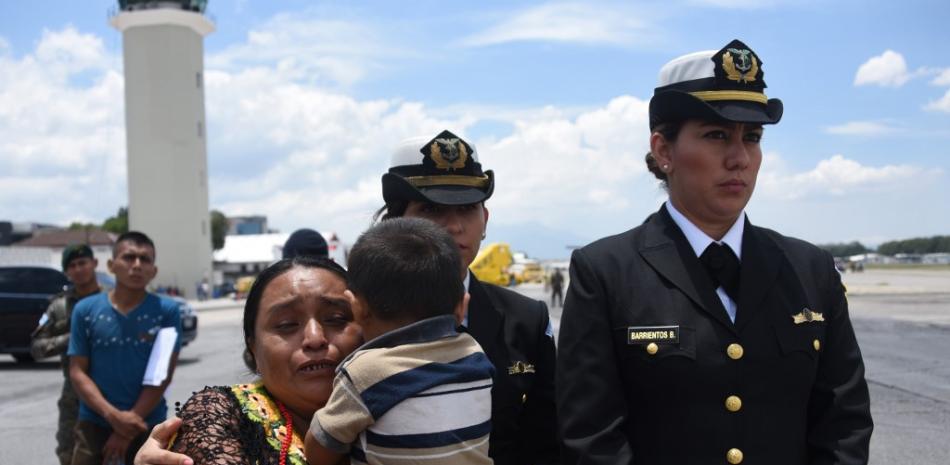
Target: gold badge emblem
<point>448,154</point>
<point>518,368</point>
<point>740,65</point>
<point>807,316</point>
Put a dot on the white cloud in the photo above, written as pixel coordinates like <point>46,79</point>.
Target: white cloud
<point>941,104</point>
<point>59,139</point>
<point>943,78</point>
<point>863,128</point>
<point>836,176</point>
<point>583,165</point>
<point>314,50</point>
<point>69,52</point>
<point>887,70</point>
<point>300,154</point>
<point>308,157</point>
<point>566,22</point>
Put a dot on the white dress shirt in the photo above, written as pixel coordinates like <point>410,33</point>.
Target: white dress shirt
<point>468,279</point>
<point>698,240</point>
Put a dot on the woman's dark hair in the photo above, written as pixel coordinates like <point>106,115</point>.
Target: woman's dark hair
<point>670,130</point>
<point>253,303</point>
<point>392,209</point>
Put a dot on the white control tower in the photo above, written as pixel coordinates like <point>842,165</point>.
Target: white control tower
<point>165,127</point>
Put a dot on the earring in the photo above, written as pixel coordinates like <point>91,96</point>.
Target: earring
<point>484,235</point>
<point>666,167</point>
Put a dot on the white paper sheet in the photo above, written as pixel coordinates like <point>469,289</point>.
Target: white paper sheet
<point>157,369</point>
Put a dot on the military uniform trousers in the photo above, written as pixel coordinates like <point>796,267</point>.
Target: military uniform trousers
<point>68,404</point>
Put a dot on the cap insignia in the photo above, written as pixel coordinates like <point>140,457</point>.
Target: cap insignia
<point>740,65</point>
<point>448,153</point>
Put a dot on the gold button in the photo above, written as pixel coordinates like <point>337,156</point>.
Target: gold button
<point>733,403</point>
<point>735,351</point>
<point>524,398</point>
<point>817,344</point>
<point>652,348</point>
<point>734,456</point>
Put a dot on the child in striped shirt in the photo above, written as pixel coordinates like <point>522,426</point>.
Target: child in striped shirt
<point>419,390</point>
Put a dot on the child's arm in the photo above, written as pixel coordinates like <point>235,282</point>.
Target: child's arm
<point>317,454</point>
<point>337,425</point>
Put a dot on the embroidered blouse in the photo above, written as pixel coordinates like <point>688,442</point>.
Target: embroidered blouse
<point>231,425</point>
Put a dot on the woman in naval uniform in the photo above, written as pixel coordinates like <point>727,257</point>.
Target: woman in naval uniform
<point>697,337</point>
<point>440,178</point>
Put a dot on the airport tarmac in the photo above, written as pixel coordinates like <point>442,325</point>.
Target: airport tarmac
<point>901,318</point>
<point>920,295</point>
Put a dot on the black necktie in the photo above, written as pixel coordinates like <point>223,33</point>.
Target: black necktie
<point>723,268</point>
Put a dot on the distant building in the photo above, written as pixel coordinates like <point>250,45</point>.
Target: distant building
<point>936,259</point>
<point>872,258</point>
<point>45,247</point>
<point>247,255</point>
<point>11,233</point>
<point>244,225</point>
<point>908,258</point>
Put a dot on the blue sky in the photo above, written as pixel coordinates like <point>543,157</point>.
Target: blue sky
<point>305,99</point>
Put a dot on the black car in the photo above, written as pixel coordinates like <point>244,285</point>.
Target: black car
<point>25,292</point>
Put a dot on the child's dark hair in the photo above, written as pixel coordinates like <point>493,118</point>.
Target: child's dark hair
<point>135,237</point>
<point>406,270</point>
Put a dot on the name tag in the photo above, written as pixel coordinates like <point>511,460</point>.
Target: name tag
<point>637,335</point>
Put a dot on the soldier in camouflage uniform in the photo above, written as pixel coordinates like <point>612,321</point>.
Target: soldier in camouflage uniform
<point>51,337</point>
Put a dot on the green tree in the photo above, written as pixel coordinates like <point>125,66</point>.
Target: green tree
<point>76,225</point>
<point>219,229</point>
<point>845,249</point>
<point>917,245</point>
<point>119,223</point>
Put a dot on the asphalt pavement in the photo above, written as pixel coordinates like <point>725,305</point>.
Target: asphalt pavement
<point>902,321</point>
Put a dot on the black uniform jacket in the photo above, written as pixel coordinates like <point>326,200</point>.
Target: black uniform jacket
<point>776,388</point>
<point>512,329</point>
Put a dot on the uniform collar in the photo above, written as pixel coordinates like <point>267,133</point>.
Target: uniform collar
<point>699,240</point>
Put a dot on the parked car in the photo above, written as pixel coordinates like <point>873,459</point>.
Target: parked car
<point>189,320</point>
<point>25,292</point>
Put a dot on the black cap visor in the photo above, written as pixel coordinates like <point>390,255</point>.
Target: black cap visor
<point>676,106</point>
<point>396,187</point>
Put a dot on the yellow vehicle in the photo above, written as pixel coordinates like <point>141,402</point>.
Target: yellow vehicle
<point>491,264</point>
<point>527,272</point>
<point>243,286</point>
<point>533,273</point>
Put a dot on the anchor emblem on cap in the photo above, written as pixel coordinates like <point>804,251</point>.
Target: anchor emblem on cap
<point>745,70</point>
<point>448,153</point>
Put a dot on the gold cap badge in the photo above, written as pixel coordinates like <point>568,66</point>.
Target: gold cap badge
<point>740,65</point>
<point>448,153</point>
